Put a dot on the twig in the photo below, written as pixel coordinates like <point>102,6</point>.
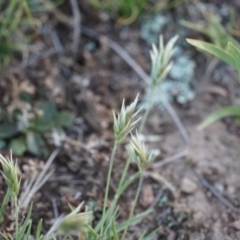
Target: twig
<point>55,209</point>
<point>218,195</point>
<point>34,58</point>
<point>55,39</point>
<point>37,182</point>
<point>76,26</point>
<point>170,159</point>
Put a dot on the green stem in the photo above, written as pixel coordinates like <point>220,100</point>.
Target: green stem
<point>133,207</point>
<point>16,215</point>
<point>107,186</point>
<point>146,113</point>
<point>144,119</point>
<point>117,195</point>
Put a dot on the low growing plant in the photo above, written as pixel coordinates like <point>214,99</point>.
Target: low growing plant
<point>27,126</point>
<point>64,227</point>
<point>127,11</point>
<point>230,55</point>
<point>16,19</point>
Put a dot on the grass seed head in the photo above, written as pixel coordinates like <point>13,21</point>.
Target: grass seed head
<point>124,121</point>
<point>139,153</point>
<point>161,60</point>
<point>10,174</point>
<point>75,222</point>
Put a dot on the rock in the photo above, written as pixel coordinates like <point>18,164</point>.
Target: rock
<point>236,225</point>
<point>147,195</point>
<point>188,186</point>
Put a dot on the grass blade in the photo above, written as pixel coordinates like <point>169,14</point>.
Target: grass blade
<point>25,224</point>
<point>39,229</point>
<point>214,50</point>
<point>232,111</point>
<point>235,52</point>
<point>136,219</point>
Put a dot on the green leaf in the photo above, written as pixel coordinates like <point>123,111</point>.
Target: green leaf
<point>114,230</point>
<point>8,130</point>
<point>4,203</point>
<point>149,236</point>
<point>42,124</point>
<point>136,219</point>
<point>36,145</point>
<point>49,110</point>
<point>25,224</point>
<point>18,145</point>
<point>235,52</point>
<point>214,50</point>
<point>64,119</point>
<point>232,111</point>
<point>91,232</point>
<point>25,97</point>
<point>39,230</point>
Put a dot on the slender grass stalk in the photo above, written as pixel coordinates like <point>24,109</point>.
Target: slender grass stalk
<point>146,113</point>
<point>133,206</point>
<point>16,211</point>
<point>107,186</point>
<point>117,194</point>
<point>144,119</point>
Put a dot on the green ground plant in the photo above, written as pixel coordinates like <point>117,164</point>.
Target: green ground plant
<point>109,226</point>
<point>26,127</point>
<point>127,11</point>
<point>212,28</point>
<point>231,55</point>
<point>64,227</point>
<point>16,22</point>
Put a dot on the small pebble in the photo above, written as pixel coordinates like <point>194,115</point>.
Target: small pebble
<point>188,186</point>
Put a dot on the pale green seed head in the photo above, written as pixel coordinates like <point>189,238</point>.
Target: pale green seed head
<point>139,153</point>
<point>124,121</point>
<point>161,60</point>
<point>75,222</point>
<point>10,174</point>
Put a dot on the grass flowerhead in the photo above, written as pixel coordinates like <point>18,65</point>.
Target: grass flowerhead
<point>10,174</point>
<point>75,222</point>
<point>139,153</point>
<point>124,121</point>
<point>161,60</point>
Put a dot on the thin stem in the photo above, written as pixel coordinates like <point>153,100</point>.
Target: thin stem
<point>117,195</point>
<point>107,186</point>
<point>16,210</point>
<point>144,119</point>
<point>133,207</point>
<point>146,113</point>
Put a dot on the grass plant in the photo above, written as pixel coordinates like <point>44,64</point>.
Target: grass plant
<point>78,223</point>
<point>231,55</point>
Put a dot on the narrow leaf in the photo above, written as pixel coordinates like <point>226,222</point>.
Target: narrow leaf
<point>232,111</point>
<point>114,230</point>
<point>235,52</point>
<point>25,223</point>
<point>39,229</point>
<point>136,219</point>
<point>214,50</point>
